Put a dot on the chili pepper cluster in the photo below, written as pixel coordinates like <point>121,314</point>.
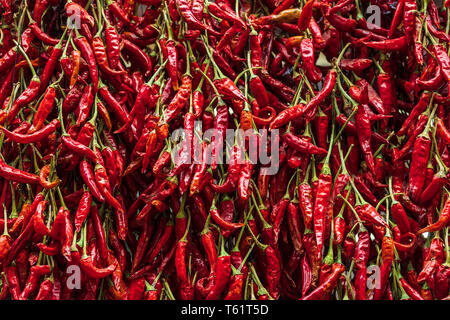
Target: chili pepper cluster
<point>96,207</point>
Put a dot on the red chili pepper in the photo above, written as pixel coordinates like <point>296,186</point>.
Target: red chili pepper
<point>362,249</point>
<point>101,57</point>
<point>43,110</point>
<point>87,266</point>
<point>410,291</point>
<point>228,89</point>
<point>180,99</point>
<point>389,45</point>
<point>398,15</point>
<point>444,218</point>
<point>321,205</point>
<point>117,11</point>
<point>244,180</point>
<point>37,136</point>
<point>444,61</point>
<point>208,244</point>
<point>293,225</point>
<point>234,169</point>
<point>12,277</point>
<point>12,174</point>
<point>112,45</point>
<point>324,289</point>
<point>409,19</point>
<point>112,103</point>
<point>221,222</point>
<point>434,258</point>
<point>305,15</point>
<point>88,54</point>
<point>102,181</point>
<point>143,241</point>
<point>221,273</point>
<point>302,145</point>
<point>172,57</point>
<point>307,51</point>
<point>79,148</point>
<point>418,165</point>
<point>38,220</point>
<point>41,35</point>
<point>305,201</point>
<point>36,272</point>
<point>87,174</point>
<point>73,8</point>
<point>8,59</point>
<point>191,20</point>
<point>25,98</point>
<point>365,136</point>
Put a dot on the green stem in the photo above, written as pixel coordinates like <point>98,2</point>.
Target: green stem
<point>352,208</point>
<point>35,76</point>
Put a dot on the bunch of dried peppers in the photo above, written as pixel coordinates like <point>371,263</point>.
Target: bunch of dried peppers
<point>95,206</point>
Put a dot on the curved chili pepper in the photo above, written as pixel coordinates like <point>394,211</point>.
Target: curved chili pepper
<point>367,211</point>
<point>444,218</point>
<point>117,11</point>
<point>320,207</point>
<point>51,250</point>
<point>44,290</point>
<point>92,271</point>
<point>112,103</point>
<point>88,54</point>
<point>36,272</point>
<point>87,174</point>
<point>41,35</point>
<point>37,136</point>
<point>83,210</point>
<point>324,289</point>
<point>191,20</point>
<point>410,291</point>
<point>102,182</point>
<point>389,45</point>
<point>101,57</point>
<point>302,145</point>
<point>180,99</point>
<point>417,110</point>
<point>12,174</point>
<point>221,273</point>
<point>169,227</point>
<point>25,98</point>
<point>113,46</point>
<point>406,247</point>
<point>142,58</point>
<point>418,165</point>
<point>365,136</point>
<point>234,169</point>
<point>79,148</point>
